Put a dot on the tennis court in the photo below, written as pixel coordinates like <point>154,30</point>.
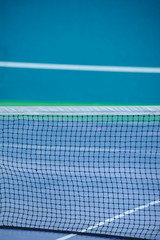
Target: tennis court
<point>82,159</point>
<point>81,170</point>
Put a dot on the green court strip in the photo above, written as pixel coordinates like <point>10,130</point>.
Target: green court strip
<point>29,103</point>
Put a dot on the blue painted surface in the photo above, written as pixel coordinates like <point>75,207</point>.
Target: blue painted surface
<point>81,174</point>
<point>120,33</point>
<point>11,234</point>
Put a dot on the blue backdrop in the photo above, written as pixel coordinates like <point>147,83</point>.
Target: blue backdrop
<point>87,32</point>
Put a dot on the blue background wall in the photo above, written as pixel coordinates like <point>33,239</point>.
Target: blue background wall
<point>87,32</point>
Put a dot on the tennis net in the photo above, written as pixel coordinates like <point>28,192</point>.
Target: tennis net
<point>87,170</point>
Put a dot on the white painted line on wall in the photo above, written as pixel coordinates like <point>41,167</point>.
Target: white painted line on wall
<point>80,67</point>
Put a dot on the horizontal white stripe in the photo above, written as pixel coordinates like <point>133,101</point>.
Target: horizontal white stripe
<point>45,148</point>
<point>81,110</point>
<point>80,67</point>
<point>113,218</point>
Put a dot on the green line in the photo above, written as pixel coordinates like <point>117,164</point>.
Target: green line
<point>30,103</point>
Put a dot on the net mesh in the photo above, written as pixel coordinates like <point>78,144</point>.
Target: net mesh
<point>92,174</point>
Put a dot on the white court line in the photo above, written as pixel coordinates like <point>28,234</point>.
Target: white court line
<point>66,237</point>
<point>112,219</point>
<point>78,149</point>
<point>80,67</point>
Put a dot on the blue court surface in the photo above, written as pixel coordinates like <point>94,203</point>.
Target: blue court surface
<point>57,176</point>
<point>11,234</point>
<point>116,34</point>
